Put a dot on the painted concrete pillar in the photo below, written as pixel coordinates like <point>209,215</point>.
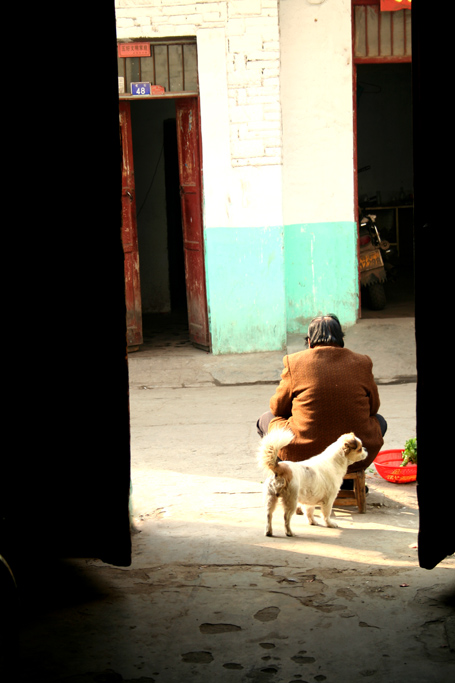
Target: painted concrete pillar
<point>241,146</point>
<point>321,272</point>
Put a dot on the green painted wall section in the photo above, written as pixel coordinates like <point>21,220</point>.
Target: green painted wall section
<point>264,283</point>
<point>245,289</point>
<point>321,272</point>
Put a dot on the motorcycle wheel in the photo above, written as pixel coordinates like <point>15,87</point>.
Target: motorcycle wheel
<point>377,297</point>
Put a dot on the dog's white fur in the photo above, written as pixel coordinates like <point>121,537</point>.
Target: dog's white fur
<point>312,482</point>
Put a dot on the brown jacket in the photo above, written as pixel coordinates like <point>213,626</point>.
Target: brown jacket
<point>325,392</point>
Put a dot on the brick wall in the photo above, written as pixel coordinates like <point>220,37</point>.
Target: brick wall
<point>252,49</point>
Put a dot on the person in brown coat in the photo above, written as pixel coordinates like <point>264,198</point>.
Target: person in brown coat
<point>326,391</point>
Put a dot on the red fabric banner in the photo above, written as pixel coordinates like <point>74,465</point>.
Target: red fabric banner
<point>394,5</point>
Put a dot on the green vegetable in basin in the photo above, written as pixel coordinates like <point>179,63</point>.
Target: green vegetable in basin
<point>410,452</point>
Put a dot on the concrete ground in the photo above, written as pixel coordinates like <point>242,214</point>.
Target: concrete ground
<point>208,597</point>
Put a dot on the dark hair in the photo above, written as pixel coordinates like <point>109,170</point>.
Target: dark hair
<point>325,330</point>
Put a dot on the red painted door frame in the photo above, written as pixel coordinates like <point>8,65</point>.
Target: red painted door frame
<point>396,59</point>
<point>355,62</point>
<point>129,233</point>
<point>190,176</point>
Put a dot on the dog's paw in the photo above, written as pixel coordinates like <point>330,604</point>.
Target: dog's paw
<point>299,510</point>
<point>268,532</point>
<point>289,533</point>
<point>331,524</point>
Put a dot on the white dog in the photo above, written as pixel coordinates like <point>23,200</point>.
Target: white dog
<point>312,482</point>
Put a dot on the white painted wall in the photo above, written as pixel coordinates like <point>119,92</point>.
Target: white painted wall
<point>316,99</point>
<point>276,102</point>
<point>239,62</point>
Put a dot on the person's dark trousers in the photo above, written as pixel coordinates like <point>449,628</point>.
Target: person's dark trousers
<point>262,425</point>
<point>382,423</point>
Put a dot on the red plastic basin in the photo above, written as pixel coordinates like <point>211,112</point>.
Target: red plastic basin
<point>388,465</point>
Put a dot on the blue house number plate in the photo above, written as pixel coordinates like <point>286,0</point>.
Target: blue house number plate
<point>139,88</point>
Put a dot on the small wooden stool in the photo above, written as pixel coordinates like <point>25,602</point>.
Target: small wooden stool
<point>357,495</point>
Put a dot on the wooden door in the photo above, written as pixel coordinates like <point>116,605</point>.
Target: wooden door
<point>190,178</point>
<point>129,232</point>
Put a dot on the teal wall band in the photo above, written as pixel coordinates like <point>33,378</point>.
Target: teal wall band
<point>266,282</point>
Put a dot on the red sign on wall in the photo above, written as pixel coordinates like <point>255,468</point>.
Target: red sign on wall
<point>134,49</point>
<point>394,5</point>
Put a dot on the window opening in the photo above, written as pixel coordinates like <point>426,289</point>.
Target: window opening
<point>381,36</point>
<point>171,64</point>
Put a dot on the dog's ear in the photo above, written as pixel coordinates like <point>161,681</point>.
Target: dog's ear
<point>350,442</point>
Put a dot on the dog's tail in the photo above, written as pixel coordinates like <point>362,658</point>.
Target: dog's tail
<point>271,445</point>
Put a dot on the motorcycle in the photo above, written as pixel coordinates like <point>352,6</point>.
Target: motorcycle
<point>371,264</point>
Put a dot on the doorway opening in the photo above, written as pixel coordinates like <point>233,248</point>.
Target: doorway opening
<point>385,175</point>
<point>165,139</point>
<point>159,222</point>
